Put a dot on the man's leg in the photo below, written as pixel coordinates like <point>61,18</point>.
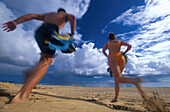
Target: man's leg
<point>36,75</point>
<point>27,73</point>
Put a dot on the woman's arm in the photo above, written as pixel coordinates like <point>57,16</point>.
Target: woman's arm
<point>104,49</point>
<point>128,46</point>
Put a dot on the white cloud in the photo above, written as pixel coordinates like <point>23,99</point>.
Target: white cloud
<point>86,61</point>
<point>18,46</point>
<point>150,12</point>
<point>76,7</point>
<point>111,81</point>
<point>96,77</point>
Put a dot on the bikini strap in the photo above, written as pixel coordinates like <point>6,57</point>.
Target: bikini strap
<point>66,19</point>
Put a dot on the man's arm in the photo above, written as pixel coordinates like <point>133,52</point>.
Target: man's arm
<point>72,20</point>
<point>11,25</point>
<point>29,17</point>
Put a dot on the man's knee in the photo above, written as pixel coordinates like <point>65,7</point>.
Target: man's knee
<point>46,58</point>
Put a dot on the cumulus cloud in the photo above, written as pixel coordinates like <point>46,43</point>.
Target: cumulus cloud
<point>151,51</point>
<point>16,48</point>
<point>85,61</point>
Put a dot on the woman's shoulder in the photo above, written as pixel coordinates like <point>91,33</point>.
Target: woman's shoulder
<point>114,42</point>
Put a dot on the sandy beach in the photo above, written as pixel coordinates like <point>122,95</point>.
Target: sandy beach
<point>53,98</point>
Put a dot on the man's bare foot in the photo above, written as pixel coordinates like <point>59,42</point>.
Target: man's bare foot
<point>17,98</point>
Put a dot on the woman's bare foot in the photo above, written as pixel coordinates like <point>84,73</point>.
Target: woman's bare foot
<point>138,86</point>
<point>114,100</point>
<point>138,82</point>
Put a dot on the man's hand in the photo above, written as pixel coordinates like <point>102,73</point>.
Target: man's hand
<point>9,26</point>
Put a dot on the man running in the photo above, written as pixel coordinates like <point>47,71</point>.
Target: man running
<point>52,20</point>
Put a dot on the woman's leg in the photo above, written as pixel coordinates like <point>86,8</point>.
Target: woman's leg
<point>117,89</point>
<point>117,73</point>
<point>36,75</point>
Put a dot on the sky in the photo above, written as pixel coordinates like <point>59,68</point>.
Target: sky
<point>145,24</point>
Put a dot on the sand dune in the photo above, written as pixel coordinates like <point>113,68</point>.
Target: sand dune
<point>49,98</point>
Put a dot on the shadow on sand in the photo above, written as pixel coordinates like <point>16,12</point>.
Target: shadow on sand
<point>111,105</point>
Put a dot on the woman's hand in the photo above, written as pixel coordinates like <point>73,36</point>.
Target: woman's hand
<point>123,53</point>
<point>9,26</point>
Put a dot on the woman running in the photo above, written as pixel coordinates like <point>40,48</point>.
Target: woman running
<point>117,62</point>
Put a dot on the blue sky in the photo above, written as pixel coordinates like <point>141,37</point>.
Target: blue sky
<point>145,24</point>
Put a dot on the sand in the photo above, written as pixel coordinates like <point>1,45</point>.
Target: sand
<point>53,98</point>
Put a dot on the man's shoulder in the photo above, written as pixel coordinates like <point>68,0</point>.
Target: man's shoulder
<point>70,15</point>
<point>53,12</point>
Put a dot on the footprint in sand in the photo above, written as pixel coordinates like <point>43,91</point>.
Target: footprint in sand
<point>62,105</point>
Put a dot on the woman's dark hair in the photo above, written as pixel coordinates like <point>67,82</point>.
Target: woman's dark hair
<point>112,36</point>
<point>61,9</point>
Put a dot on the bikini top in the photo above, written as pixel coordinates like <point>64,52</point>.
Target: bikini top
<point>66,19</point>
<point>114,47</point>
